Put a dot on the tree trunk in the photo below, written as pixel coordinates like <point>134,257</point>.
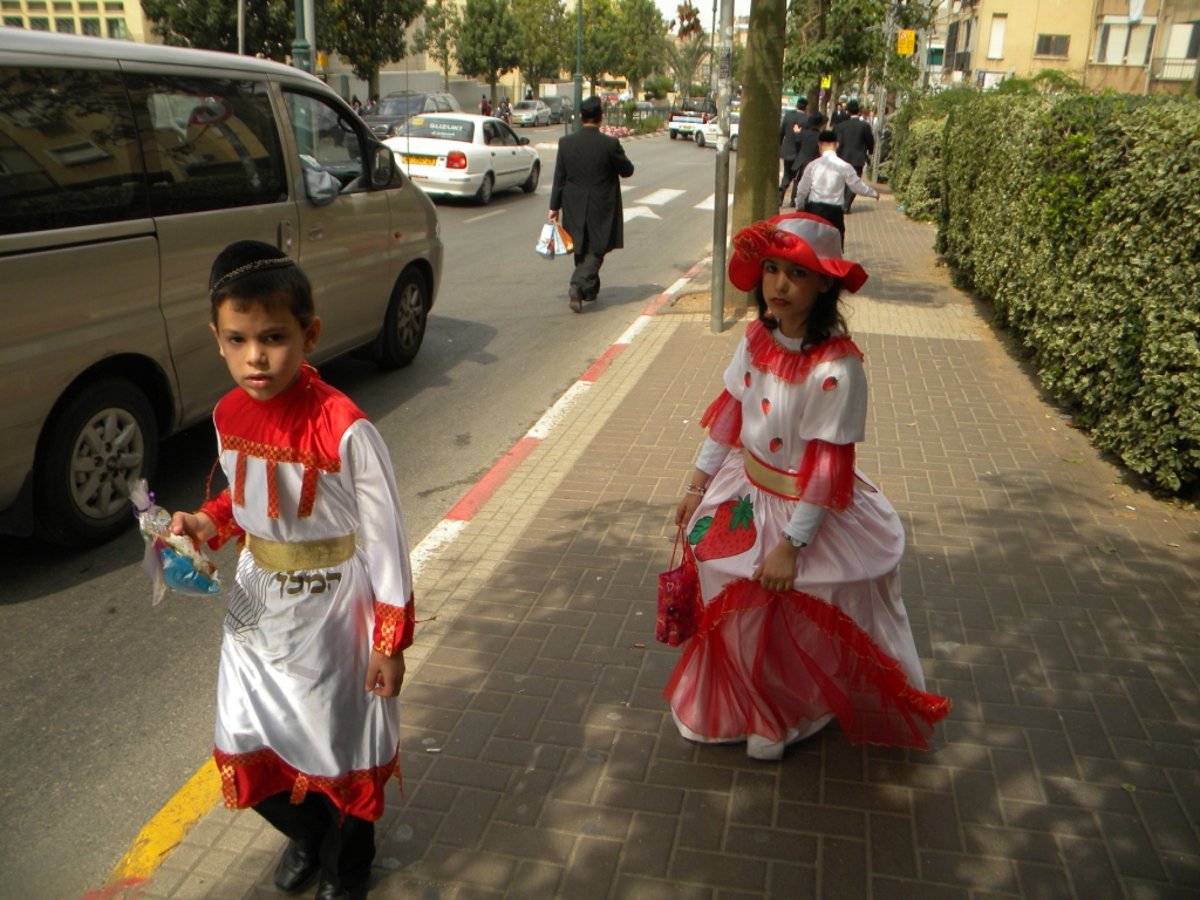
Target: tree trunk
<point>756,190</point>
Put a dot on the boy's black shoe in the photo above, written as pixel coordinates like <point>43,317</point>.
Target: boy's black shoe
<point>574,299</point>
<point>296,869</point>
<point>328,891</point>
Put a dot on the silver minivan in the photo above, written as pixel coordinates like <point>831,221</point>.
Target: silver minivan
<point>124,170</point>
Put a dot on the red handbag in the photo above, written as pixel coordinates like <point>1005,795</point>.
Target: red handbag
<point>679,604</point>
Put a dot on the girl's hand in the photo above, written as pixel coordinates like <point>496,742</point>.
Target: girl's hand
<point>385,674</point>
<point>686,509</point>
<point>197,526</point>
<point>778,570</point>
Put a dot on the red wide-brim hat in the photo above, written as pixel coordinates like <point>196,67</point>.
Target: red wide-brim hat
<point>804,239</point>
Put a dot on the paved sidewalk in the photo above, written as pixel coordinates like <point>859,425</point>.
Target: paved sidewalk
<point>1056,605</point>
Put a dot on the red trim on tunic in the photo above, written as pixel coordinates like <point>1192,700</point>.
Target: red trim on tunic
<point>249,778</point>
<point>220,511</point>
<point>806,659</point>
<point>394,627</point>
<point>723,419</point>
<point>793,366</point>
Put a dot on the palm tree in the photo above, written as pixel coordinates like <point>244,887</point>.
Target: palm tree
<point>683,58</point>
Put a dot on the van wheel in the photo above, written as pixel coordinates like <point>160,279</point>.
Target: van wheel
<point>404,324</point>
<point>483,196</point>
<point>673,134</point>
<point>531,182</point>
<point>699,139</point>
<point>91,451</point>
<point>733,143</point>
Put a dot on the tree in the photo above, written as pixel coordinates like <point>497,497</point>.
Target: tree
<point>369,34</point>
<point>684,59</point>
<point>687,25</point>
<point>541,36</point>
<point>602,41</point>
<point>642,31</point>
<point>485,41</point>
<point>212,25</point>
<point>435,37</point>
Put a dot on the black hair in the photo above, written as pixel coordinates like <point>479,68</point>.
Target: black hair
<point>824,319</point>
<point>816,120</point>
<point>591,110</point>
<point>828,136</point>
<point>250,273</point>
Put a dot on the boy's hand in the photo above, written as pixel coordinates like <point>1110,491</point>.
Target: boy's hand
<point>197,526</point>
<point>385,674</point>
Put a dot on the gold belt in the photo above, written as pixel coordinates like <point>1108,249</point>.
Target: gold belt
<point>776,481</point>
<point>292,556</point>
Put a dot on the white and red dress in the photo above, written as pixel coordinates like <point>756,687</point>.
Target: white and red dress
<point>307,471</point>
<point>772,668</point>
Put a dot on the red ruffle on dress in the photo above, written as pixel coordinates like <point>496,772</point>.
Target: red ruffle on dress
<point>772,668</point>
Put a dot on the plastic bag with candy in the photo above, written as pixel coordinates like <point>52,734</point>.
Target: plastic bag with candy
<point>173,561</point>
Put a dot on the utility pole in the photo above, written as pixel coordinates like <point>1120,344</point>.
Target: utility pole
<point>578,60</point>
<point>301,48</point>
<point>721,198</point>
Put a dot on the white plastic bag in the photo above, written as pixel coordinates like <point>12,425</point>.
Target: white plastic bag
<point>546,240</point>
<point>172,561</point>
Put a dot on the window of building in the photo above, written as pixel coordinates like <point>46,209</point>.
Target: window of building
<point>996,39</point>
<point>10,5</point>
<point>117,29</point>
<point>88,7</point>
<point>1052,45</point>
<point>114,7</point>
<point>60,7</point>
<point>64,26</point>
<point>35,6</point>
<point>1122,43</point>
<point>90,27</point>
<point>14,22</point>
<point>39,23</point>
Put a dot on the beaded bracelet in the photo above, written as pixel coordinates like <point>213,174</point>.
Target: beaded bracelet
<point>696,489</point>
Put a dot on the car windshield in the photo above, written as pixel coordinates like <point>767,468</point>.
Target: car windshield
<point>443,129</point>
<point>400,106</point>
<point>525,104</point>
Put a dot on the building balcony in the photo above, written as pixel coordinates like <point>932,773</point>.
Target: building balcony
<point>1166,68</point>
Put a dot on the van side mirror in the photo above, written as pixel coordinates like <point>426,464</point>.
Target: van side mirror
<point>382,167</point>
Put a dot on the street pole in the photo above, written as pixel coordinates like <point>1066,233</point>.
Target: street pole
<point>241,27</point>
<point>301,48</point>
<point>578,61</point>
<point>882,92</point>
<point>721,198</point>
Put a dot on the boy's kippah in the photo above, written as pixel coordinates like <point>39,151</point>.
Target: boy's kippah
<point>828,136</point>
<point>241,258</point>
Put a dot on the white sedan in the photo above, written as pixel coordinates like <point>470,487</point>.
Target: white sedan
<point>706,135</point>
<point>465,155</point>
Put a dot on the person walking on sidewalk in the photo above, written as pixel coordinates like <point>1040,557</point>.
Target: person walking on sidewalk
<point>790,126</point>
<point>807,147</point>
<point>587,196</point>
<point>824,182</point>
<point>798,553</point>
<point>321,608</point>
<point>856,143</point>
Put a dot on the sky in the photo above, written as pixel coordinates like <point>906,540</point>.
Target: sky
<point>667,8</point>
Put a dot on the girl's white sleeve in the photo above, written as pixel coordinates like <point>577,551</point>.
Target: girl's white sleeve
<point>806,519</point>
<point>712,454</point>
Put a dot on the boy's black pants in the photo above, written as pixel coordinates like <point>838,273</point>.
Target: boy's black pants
<point>346,850</point>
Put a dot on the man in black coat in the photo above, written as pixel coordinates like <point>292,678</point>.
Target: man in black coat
<point>856,143</point>
<point>790,125</point>
<point>587,195</point>
<point>807,149</point>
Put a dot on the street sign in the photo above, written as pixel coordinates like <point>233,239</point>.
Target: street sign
<point>906,42</point>
<point>826,81</point>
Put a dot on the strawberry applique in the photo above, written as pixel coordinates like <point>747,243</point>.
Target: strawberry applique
<point>727,532</point>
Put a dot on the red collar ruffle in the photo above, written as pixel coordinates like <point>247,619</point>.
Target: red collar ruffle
<point>793,366</point>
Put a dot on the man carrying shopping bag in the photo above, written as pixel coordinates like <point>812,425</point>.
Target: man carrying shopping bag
<point>587,196</point>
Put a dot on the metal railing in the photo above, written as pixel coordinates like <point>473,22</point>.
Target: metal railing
<point>1166,68</point>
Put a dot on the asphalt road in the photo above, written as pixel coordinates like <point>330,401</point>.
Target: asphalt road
<point>107,702</point>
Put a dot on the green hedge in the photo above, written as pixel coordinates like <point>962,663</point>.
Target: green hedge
<point>1078,218</point>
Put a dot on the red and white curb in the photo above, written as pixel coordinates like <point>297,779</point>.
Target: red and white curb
<point>461,514</point>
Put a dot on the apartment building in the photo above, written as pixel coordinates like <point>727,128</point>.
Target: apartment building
<point>1132,46</point>
<point>121,19</point>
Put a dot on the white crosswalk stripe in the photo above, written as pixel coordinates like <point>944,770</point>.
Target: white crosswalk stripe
<point>660,197</point>
<point>710,202</point>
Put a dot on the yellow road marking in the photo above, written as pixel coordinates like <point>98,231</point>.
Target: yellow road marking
<point>170,824</point>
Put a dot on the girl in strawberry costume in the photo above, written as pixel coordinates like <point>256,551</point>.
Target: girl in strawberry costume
<point>798,553</point>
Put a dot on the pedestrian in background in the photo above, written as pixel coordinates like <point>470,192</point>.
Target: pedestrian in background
<point>826,180</point>
<point>321,607</point>
<point>807,148</point>
<point>798,554</point>
<point>856,143</point>
<point>586,199</point>
<point>485,108</point>
<point>789,127</point>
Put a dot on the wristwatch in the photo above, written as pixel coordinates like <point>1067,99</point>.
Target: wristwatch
<point>799,545</point>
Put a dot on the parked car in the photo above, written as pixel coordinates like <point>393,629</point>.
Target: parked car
<point>530,112</point>
<point>465,155</point>
<point>560,108</point>
<point>689,114</point>
<point>395,108</point>
<point>127,168</point>
<point>708,133</point>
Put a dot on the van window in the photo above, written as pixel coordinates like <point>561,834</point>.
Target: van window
<point>328,136</point>
<point>68,154</point>
<point>209,143</point>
